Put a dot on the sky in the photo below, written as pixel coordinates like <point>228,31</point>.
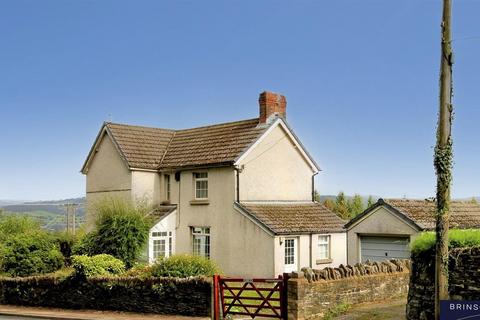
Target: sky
<point>360,77</point>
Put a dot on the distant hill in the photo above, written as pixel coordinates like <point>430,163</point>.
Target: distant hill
<point>7,202</point>
<point>50,214</point>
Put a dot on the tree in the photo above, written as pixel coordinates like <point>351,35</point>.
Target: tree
<point>341,206</point>
<point>316,196</point>
<point>356,206</point>
<point>370,202</point>
<point>330,204</point>
<point>474,200</point>
<point>443,161</point>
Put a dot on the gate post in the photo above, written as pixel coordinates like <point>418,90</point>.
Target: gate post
<point>216,302</point>
<point>284,296</point>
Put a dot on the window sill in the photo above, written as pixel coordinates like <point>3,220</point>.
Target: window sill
<point>199,202</point>
<point>324,261</point>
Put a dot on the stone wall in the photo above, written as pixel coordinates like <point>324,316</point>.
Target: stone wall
<point>312,293</point>
<point>464,281</point>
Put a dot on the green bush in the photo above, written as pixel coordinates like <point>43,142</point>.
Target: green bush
<point>121,231</point>
<point>66,241</point>
<point>183,266</point>
<point>458,238</point>
<point>98,265</point>
<point>140,271</point>
<point>26,254</point>
<point>12,225</point>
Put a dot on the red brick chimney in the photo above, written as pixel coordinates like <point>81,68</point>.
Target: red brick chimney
<point>271,104</point>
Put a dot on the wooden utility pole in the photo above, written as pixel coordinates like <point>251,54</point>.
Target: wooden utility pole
<point>70,210</point>
<point>443,160</point>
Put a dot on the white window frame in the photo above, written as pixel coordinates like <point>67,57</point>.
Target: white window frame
<point>324,241</point>
<point>168,180</point>
<point>200,179</point>
<point>290,251</point>
<point>201,233</point>
<point>167,238</point>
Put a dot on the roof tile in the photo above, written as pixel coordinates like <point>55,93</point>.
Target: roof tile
<point>464,214</point>
<point>295,218</point>
<point>155,148</point>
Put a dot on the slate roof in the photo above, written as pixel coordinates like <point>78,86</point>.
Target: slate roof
<point>156,148</point>
<point>294,218</point>
<point>464,214</point>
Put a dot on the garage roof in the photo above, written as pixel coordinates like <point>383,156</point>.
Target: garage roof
<point>464,214</point>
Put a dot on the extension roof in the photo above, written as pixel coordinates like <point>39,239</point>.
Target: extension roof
<point>161,211</point>
<point>284,218</point>
<point>421,213</point>
<point>155,149</point>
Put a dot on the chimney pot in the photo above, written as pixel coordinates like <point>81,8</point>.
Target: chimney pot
<point>271,105</point>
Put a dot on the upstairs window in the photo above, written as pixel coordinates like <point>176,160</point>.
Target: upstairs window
<point>167,187</point>
<point>201,185</point>
<point>324,247</point>
<point>201,241</point>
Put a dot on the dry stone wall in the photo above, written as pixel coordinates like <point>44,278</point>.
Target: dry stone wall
<point>464,280</point>
<point>311,293</point>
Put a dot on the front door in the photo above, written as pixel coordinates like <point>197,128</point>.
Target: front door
<point>291,263</point>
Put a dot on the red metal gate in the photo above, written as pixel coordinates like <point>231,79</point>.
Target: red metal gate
<point>250,297</point>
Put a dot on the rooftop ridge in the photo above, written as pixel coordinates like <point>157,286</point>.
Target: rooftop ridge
<point>424,200</point>
<point>219,124</point>
<point>136,126</point>
<point>184,129</point>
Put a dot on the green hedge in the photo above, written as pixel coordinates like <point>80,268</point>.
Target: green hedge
<point>26,254</point>
<point>25,249</point>
<point>183,266</point>
<point>189,297</point>
<point>98,265</point>
<point>458,238</point>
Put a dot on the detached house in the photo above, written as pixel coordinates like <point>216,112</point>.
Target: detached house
<point>240,193</point>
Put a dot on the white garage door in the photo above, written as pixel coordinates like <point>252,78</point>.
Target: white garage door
<point>384,248</point>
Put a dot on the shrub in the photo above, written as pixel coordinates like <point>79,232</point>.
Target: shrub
<point>140,271</point>
<point>121,231</point>
<point>183,266</point>
<point>66,241</point>
<point>457,239</point>
<point>98,265</point>
<point>12,225</point>
<point>26,254</point>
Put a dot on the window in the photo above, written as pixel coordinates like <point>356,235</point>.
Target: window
<point>289,251</point>
<point>158,248</point>
<point>201,185</point>
<point>201,241</point>
<point>167,187</point>
<point>324,247</point>
<point>162,244</point>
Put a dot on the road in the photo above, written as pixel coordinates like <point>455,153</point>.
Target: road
<point>19,318</point>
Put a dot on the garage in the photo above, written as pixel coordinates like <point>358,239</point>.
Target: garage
<point>377,248</point>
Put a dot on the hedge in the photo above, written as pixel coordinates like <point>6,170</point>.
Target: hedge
<point>458,238</point>
<point>189,297</point>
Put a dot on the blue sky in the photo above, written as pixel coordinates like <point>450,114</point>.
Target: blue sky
<point>360,77</point>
